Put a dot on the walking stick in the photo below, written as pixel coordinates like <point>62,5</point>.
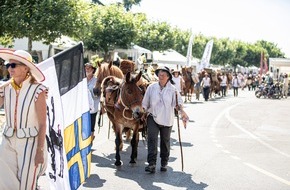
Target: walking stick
<point>179,137</point>
<point>109,129</point>
<point>100,121</point>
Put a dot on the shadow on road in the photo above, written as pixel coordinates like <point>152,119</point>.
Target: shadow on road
<point>159,180</point>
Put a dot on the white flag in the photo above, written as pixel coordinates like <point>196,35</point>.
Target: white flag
<point>189,51</point>
<point>205,60</point>
<point>68,132</point>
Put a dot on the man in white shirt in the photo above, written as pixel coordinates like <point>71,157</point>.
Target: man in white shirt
<point>159,102</point>
<point>206,86</point>
<point>224,84</point>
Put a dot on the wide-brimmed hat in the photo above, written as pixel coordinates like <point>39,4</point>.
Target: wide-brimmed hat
<point>163,68</point>
<point>91,65</point>
<point>23,57</point>
<point>175,71</point>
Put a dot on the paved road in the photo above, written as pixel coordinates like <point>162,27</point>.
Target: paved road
<point>234,143</point>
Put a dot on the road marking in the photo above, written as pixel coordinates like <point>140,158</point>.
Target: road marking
<point>268,173</point>
<point>235,157</point>
<point>226,151</point>
<point>226,112</point>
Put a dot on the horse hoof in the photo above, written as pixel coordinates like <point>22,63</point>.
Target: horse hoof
<point>118,163</point>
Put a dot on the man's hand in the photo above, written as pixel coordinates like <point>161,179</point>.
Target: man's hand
<point>144,117</point>
<point>185,118</point>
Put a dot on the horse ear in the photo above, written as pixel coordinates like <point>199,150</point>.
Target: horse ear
<point>138,76</point>
<point>128,76</point>
<point>110,64</point>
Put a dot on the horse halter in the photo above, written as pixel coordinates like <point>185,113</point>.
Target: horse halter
<point>127,107</point>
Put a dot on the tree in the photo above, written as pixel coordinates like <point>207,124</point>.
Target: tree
<point>42,20</point>
<point>129,3</point>
<point>111,28</point>
<point>271,48</point>
<point>157,36</point>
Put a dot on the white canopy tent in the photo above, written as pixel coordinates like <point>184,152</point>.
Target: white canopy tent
<point>278,66</point>
<point>171,59</point>
<point>135,52</point>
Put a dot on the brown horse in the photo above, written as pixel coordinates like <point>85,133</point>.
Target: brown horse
<point>229,80</point>
<point>123,103</point>
<point>215,86</point>
<point>126,66</point>
<point>104,70</point>
<point>188,83</point>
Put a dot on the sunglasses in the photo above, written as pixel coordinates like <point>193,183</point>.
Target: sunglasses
<point>12,65</point>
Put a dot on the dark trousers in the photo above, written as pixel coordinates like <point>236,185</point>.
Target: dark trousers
<point>93,121</point>
<point>206,92</point>
<point>153,131</point>
<point>236,89</point>
<point>224,89</point>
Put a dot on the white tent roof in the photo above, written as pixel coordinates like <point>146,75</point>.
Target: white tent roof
<point>171,57</point>
<point>278,62</point>
<point>134,49</point>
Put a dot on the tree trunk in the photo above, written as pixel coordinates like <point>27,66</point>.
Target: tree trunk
<point>29,45</point>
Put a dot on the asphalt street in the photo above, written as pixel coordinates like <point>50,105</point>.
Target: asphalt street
<point>231,143</point>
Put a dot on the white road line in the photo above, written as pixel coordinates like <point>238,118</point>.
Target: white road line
<point>235,157</point>
<point>231,120</point>
<point>268,173</point>
<point>227,114</point>
<point>226,151</point>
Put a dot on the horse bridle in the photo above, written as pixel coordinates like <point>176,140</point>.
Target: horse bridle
<point>129,106</point>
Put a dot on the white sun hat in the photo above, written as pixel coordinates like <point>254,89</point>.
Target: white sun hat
<point>23,57</point>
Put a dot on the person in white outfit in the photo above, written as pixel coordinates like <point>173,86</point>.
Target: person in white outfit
<point>23,155</point>
<point>160,100</point>
<point>224,84</point>
<point>178,80</point>
<point>236,85</point>
<point>94,105</point>
<point>206,82</point>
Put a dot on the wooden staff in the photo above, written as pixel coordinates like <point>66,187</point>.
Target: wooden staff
<point>179,137</point>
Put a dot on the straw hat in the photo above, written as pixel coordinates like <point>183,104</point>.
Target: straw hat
<point>23,57</point>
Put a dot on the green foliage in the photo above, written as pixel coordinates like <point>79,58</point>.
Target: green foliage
<point>157,36</point>
<point>111,27</point>
<point>6,41</point>
<point>43,20</point>
<point>95,59</point>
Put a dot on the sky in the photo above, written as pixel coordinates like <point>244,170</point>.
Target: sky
<point>245,20</point>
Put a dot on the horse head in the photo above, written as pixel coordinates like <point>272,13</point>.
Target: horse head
<point>131,95</point>
<point>104,70</point>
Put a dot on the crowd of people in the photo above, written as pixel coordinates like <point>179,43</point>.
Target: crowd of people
<point>250,81</point>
